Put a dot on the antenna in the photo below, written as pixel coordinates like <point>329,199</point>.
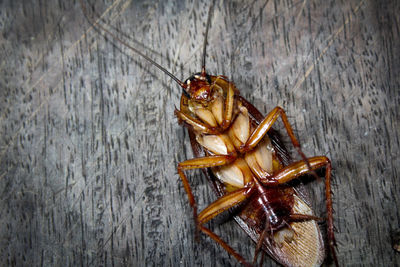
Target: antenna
<point>99,26</point>
<point>203,61</point>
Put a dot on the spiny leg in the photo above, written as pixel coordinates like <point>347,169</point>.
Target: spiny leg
<point>262,257</point>
<point>228,111</point>
<point>304,217</point>
<point>260,242</point>
<point>229,100</point>
<point>267,229</point>
<point>299,168</point>
<point>195,123</point>
<point>223,244</point>
<point>198,163</point>
<point>223,203</point>
<point>220,205</point>
<point>264,127</point>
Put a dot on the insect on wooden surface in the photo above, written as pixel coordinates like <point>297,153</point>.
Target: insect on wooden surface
<point>248,166</point>
<point>90,142</point>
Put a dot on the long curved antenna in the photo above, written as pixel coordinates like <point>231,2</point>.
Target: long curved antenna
<point>99,26</point>
<point>203,60</point>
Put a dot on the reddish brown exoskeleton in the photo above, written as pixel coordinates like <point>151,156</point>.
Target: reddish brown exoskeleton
<point>249,169</point>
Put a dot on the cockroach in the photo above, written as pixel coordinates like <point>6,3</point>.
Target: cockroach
<point>248,167</point>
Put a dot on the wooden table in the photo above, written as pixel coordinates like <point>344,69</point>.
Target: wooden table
<point>90,143</point>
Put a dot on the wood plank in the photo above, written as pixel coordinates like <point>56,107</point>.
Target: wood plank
<point>89,142</point>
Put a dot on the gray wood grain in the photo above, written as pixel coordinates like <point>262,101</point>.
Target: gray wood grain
<point>89,142</point>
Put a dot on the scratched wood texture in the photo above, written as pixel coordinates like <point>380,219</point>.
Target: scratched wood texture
<point>89,142</point>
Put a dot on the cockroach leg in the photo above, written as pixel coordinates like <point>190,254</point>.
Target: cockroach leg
<point>228,107</point>
<point>224,203</point>
<point>206,162</point>
<point>223,244</point>
<point>260,242</point>
<point>262,257</point>
<point>196,124</point>
<point>304,217</point>
<point>198,163</point>
<point>264,127</point>
<point>220,205</point>
<point>299,168</point>
<point>229,99</point>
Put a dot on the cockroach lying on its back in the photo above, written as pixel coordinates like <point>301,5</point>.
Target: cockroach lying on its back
<point>249,169</point>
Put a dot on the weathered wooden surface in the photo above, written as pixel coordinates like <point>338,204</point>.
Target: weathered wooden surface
<point>89,141</point>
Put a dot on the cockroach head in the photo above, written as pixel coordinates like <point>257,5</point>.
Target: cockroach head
<point>198,87</point>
